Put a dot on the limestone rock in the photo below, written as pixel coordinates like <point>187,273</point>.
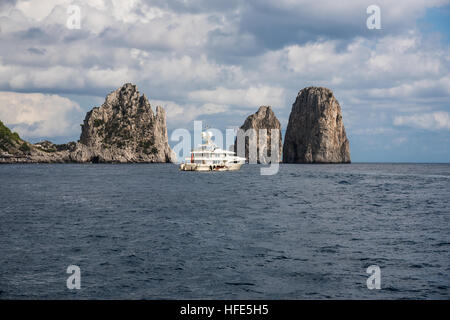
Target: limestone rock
<point>124,129</point>
<point>315,132</point>
<point>264,118</point>
<point>13,149</point>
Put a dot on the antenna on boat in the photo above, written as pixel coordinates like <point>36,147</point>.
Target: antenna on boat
<point>207,135</point>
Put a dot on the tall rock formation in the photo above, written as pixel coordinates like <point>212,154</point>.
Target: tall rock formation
<point>264,118</point>
<point>315,132</point>
<point>124,129</point>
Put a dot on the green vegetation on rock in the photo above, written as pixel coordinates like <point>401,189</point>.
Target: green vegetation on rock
<point>24,147</point>
<point>8,138</point>
<point>147,143</point>
<point>98,122</point>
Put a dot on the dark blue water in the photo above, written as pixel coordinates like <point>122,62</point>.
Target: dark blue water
<point>150,231</point>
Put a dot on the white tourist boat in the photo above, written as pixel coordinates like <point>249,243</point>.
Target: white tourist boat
<point>208,157</point>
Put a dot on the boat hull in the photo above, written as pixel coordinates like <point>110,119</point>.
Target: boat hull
<point>208,167</point>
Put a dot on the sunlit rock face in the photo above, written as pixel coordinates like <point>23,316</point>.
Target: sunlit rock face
<point>315,132</point>
<point>124,129</point>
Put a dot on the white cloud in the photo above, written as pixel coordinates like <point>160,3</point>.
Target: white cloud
<point>39,11</point>
<point>437,87</point>
<point>182,115</point>
<point>36,115</point>
<point>123,11</point>
<point>250,97</point>
<point>374,131</point>
<point>431,121</point>
<point>375,63</point>
<point>184,71</point>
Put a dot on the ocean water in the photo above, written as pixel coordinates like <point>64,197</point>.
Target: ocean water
<point>149,231</point>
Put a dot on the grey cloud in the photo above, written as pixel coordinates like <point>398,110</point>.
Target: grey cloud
<point>196,6</point>
<point>36,51</point>
<point>275,24</point>
<point>6,4</point>
<point>33,34</point>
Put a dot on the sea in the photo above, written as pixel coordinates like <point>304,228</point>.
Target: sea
<point>150,231</point>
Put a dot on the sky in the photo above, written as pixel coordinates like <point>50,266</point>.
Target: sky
<point>218,61</point>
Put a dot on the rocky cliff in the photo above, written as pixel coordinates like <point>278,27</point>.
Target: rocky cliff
<point>315,132</point>
<point>11,144</point>
<point>264,118</point>
<point>123,129</point>
<point>13,149</point>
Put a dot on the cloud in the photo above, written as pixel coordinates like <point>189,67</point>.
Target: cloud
<point>432,88</point>
<point>179,115</point>
<point>375,131</point>
<point>276,24</point>
<point>362,62</point>
<point>177,48</point>
<point>253,96</point>
<point>35,115</point>
<point>429,121</point>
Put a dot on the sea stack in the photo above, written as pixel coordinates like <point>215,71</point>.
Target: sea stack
<point>124,129</point>
<point>315,132</point>
<point>264,118</point>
